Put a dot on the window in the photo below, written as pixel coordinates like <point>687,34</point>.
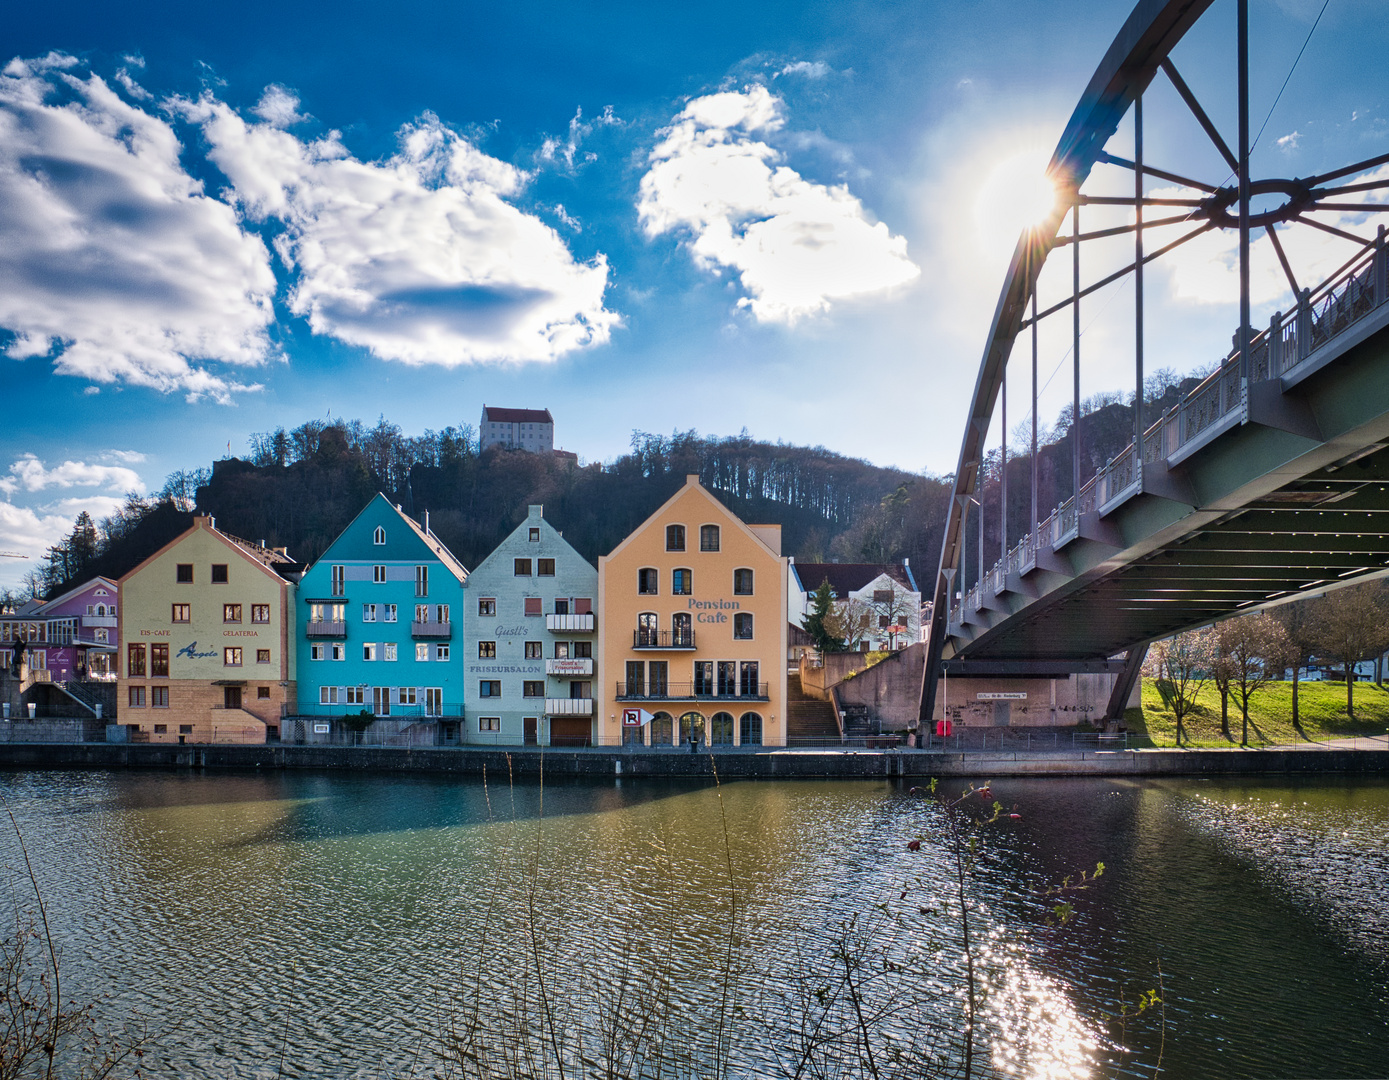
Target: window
<point>884,622</point>
<point>489,723</point>
<point>742,626</point>
<point>159,661</point>
<point>183,573</point>
<point>747,679</point>
<point>535,536</point>
<point>441,652</point>
<point>648,629</point>
<point>181,613</point>
<point>728,678</point>
<point>647,582</point>
<point>368,613</point>
<point>378,575</point>
<point>487,606</point>
<point>742,582</point>
<point>379,536</point>
<point>231,656</point>
<point>561,650</point>
<point>489,688</point>
<point>636,678</point>
<point>534,650</point>
<point>137,697</point>
<point>660,678</point>
<point>681,583</point>
<point>262,656</point>
<point>422,581</point>
<point>882,596</point>
<point>487,650</point>
<point>682,629</point>
<point>389,610</point>
<point>260,613</point>
<point>262,693</point>
<point>159,697</point>
<point>561,606</point>
<point>434,701</point>
<point>406,695</point>
<point>421,653</point>
<point>219,573</point>
<point>750,729</point>
<point>339,651</point>
<point>533,688</point>
<point>135,661</point>
<point>522,568</point>
<point>703,677</point>
<point>675,538</point>
<point>533,605</point>
<point>369,650</point>
<point>231,612</point>
<point>185,729</point>
<point>708,538</point>
<point>422,613</point>
<point>339,576</point>
<point>583,648</point>
<point>441,614</point>
<point>327,695</point>
<point>356,695</point>
<point>316,652</point>
<point>583,605</point>
<point>545,567</point>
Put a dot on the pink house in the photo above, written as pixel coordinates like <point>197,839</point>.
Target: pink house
<point>72,636</point>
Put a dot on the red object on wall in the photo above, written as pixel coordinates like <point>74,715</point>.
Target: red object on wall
<point>945,728</point>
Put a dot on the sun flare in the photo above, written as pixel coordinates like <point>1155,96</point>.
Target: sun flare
<point>1016,194</point>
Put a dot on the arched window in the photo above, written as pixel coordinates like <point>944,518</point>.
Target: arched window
<point>750,729</point>
<point>681,582</point>
<point>648,628</point>
<point>742,582</point>
<point>708,538</point>
<point>662,728</point>
<point>721,729</point>
<point>681,629</point>
<point>379,536</point>
<point>648,581</point>
<point>691,726</point>
<point>675,538</point>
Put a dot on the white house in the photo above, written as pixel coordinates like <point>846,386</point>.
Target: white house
<point>880,601</point>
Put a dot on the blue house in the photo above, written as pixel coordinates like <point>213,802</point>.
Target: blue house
<point>528,629</point>
<point>375,619</point>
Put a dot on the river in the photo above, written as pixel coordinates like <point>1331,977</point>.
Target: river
<point>353,925</point>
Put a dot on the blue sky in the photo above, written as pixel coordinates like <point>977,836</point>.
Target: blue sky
<point>792,219</point>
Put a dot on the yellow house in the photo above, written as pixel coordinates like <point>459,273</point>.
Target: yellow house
<point>692,618</point>
<point>206,644</point>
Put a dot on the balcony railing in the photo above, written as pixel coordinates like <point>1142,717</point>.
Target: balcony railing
<point>572,667</point>
<point>569,706</point>
<point>570,624</point>
<point>98,620</point>
<point>692,692</point>
<point>431,629</point>
<point>663,639</point>
<point>326,628</point>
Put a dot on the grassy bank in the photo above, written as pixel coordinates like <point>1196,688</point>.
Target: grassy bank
<point>1321,707</point>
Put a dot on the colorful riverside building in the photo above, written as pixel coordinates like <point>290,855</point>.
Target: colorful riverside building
<point>376,617</point>
<point>529,631</point>
<point>72,636</point>
<point>692,613</point>
<point>206,652</point>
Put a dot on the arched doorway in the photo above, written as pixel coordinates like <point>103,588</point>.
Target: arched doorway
<point>662,728</point>
<point>721,729</point>
<point>691,726</point>
<point>750,729</point>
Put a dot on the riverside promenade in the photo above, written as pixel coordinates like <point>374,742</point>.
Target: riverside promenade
<point>1362,757</point>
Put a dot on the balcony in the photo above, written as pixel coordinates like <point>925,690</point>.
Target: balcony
<point>317,628</point>
<point>108,621</point>
<point>435,630</point>
<point>691,692</point>
<point>570,624</point>
<point>572,667</point>
<point>663,639</point>
<point>567,706</point>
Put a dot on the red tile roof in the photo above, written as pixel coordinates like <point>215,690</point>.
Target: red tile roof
<point>517,416</point>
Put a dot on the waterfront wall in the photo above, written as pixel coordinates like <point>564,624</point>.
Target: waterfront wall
<point>767,765</point>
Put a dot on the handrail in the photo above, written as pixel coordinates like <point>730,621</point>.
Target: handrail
<point>1321,315</point>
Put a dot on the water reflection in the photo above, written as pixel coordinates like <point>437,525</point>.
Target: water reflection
<point>346,922</point>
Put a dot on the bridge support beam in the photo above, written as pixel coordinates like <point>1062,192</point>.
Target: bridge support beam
<point>1128,678</point>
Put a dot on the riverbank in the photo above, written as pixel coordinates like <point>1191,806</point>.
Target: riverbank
<point>768,764</point>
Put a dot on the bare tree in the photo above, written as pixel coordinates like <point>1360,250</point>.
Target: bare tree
<point>1181,665</point>
<point>1298,621</point>
<point>851,621</point>
<point>1254,650</point>
<point>1350,627</point>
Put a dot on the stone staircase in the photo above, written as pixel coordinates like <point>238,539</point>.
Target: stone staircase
<point>808,720</point>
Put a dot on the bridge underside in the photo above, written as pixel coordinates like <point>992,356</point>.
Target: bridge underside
<point>1287,500</point>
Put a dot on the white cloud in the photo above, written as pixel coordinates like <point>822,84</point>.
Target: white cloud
<point>29,474</point>
<point>278,107</point>
<point>811,69</point>
<point>554,150</point>
<point>32,531</point>
<point>417,258</point>
<point>112,259</point>
<point>130,457</point>
<point>1290,140</point>
<point>796,246</point>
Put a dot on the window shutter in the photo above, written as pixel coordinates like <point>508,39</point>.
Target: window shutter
<point>583,605</point>
<point>533,605</point>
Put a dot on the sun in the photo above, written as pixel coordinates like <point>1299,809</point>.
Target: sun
<point>1016,194</point>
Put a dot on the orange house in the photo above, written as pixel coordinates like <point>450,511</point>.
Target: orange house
<point>692,618</point>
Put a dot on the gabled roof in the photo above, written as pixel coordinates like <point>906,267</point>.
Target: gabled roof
<point>846,578</point>
<point>692,482</point>
<point>517,416</point>
<point>58,600</point>
<point>267,559</point>
<point>379,504</point>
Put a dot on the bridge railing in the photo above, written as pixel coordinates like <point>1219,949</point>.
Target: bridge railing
<point>1322,314</point>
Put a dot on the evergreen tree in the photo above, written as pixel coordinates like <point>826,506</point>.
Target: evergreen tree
<point>814,623</point>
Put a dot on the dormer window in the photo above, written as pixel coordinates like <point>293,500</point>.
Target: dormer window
<point>379,536</point>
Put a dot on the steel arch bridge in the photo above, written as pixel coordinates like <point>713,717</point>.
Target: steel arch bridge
<point>1267,482</point>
